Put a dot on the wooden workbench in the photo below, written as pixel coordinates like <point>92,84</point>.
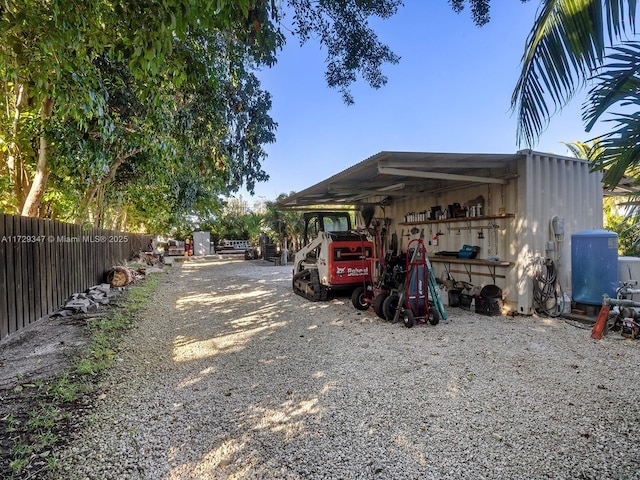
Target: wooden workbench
<point>468,263</point>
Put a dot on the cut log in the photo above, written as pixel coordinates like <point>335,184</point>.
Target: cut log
<point>119,276</point>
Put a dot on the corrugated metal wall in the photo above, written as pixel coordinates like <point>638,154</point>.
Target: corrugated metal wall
<point>545,186</point>
<point>551,186</point>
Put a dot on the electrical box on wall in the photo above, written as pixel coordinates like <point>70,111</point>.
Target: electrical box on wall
<point>557,226</point>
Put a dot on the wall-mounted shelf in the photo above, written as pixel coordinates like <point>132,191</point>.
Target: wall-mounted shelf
<point>470,267</point>
<point>460,219</point>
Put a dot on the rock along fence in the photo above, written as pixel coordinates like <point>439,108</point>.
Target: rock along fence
<point>43,262</point>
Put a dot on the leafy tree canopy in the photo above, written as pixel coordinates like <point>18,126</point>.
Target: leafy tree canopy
<point>140,115</point>
<point>105,105</point>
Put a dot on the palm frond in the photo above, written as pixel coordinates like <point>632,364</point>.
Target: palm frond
<point>620,155</point>
<point>564,48</point>
<point>585,150</point>
<point>619,84</point>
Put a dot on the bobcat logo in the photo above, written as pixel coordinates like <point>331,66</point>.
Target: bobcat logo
<point>358,272</point>
<point>340,270</point>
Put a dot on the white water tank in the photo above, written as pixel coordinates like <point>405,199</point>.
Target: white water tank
<point>629,269</point>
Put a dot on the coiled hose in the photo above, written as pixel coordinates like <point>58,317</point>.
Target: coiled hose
<point>547,294</point>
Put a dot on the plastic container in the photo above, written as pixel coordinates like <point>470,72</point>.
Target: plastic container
<point>445,296</point>
<point>454,297</point>
<point>594,265</point>
<point>629,269</point>
<point>468,251</point>
<point>466,301</point>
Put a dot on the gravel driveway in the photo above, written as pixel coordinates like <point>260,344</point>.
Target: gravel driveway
<point>231,375</point>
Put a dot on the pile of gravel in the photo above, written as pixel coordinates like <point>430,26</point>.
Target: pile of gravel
<point>231,375</point>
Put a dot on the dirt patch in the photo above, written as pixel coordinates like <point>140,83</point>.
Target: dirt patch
<point>39,351</point>
<point>49,379</point>
<point>29,360</point>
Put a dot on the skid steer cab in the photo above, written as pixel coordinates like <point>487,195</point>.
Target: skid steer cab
<point>334,257</point>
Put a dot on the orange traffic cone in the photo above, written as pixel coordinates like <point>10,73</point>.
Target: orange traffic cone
<point>601,322</point>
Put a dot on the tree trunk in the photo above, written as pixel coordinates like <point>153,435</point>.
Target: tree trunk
<point>31,206</point>
<point>98,211</point>
<point>91,193</point>
<point>123,220</point>
<point>14,159</point>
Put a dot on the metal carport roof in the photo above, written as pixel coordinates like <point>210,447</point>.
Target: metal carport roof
<point>393,175</point>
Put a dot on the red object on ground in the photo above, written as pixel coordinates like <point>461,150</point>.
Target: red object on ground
<point>601,322</point>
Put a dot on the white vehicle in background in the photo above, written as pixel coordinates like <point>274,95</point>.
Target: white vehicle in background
<point>233,246</point>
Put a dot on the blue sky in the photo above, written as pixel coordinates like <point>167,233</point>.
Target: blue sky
<point>450,92</point>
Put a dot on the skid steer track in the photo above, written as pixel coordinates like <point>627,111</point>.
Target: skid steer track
<point>306,283</point>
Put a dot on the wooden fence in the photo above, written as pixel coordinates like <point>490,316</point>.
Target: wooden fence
<point>43,262</point>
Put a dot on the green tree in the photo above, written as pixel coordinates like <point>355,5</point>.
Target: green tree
<point>253,222</point>
<point>203,139</point>
<point>42,60</point>
<point>233,220</point>
<point>625,224</point>
<point>49,73</point>
<point>100,89</point>
<point>585,150</point>
<point>53,65</point>
<point>283,224</point>
<point>621,214</point>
